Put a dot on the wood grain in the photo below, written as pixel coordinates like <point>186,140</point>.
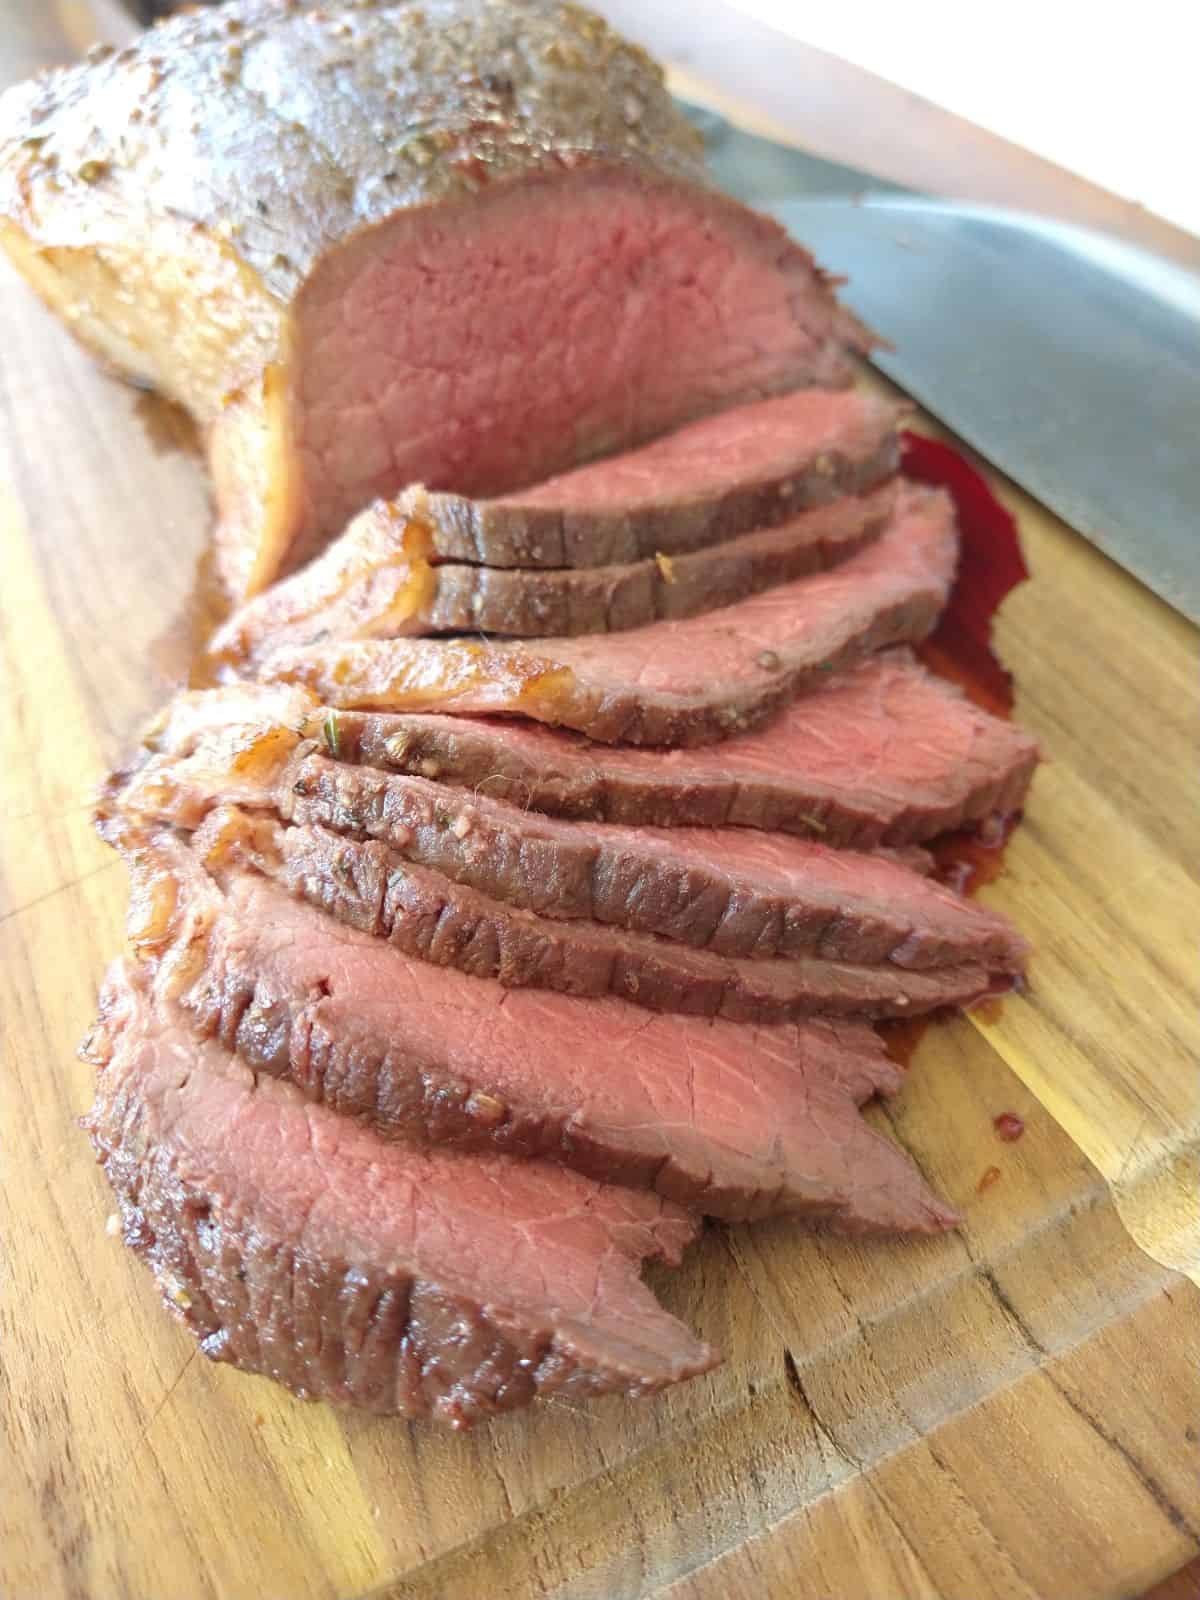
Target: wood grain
<point>1181,1585</point>
<point>1010,1412</point>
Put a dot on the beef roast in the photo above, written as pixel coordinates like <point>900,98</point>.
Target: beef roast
<point>431,918</point>
<point>739,1122</point>
<point>734,891</point>
<point>373,245</point>
<point>377,582</point>
<point>882,754</point>
<point>295,1243</point>
<point>750,467</point>
<point>672,683</point>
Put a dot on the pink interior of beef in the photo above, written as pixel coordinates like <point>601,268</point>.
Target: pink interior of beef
<point>499,1231</point>
<point>776,1104</point>
<point>887,728</point>
<point>482,347</point>
<point>814,614</point>
<point>558,1051</point>
<point>848,879</point>
<point>750,442</point>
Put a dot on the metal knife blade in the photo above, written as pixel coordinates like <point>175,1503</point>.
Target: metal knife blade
<point>1069,359</point>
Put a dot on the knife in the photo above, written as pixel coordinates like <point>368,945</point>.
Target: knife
<point>1069,359</point>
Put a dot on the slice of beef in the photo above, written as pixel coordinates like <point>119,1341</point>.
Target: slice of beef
<point>295,1243</point>
<point>431,918</point>
<point>378,582</point>
<point>734,891</point>
<point>373,245</point>
<point>882,754</point>
<point>737,1121</point>
<point>672,683</point>
<point>751,467</point>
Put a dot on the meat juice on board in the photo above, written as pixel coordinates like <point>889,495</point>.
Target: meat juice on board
<point>960,648</point>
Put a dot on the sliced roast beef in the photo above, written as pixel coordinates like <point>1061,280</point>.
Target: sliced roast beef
<point>733,891</point>
<point>417,267</point>
<point>752,467</point>
<point>374,583</point>
<point>882,754</point>
<point>431,918</point>
<point>296,1243</point>
<point>885,753</point>
<point>739,1122</point>
<point>673,683</point>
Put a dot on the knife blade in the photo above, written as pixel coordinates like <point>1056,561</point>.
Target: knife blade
<point>1069,359</point>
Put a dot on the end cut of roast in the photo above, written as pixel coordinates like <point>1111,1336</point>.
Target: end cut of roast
<point>505,259</point>
<point>294,1242</point>
<point>672,683</point>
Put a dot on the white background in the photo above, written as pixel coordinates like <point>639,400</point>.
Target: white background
<point>1110,91</point>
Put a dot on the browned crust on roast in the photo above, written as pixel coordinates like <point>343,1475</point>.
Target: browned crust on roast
<point>612,599</point>
<point>279,182</point>
<point>185,203</point>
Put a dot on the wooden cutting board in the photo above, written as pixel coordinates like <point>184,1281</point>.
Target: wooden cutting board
<point>1008,1412</point>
